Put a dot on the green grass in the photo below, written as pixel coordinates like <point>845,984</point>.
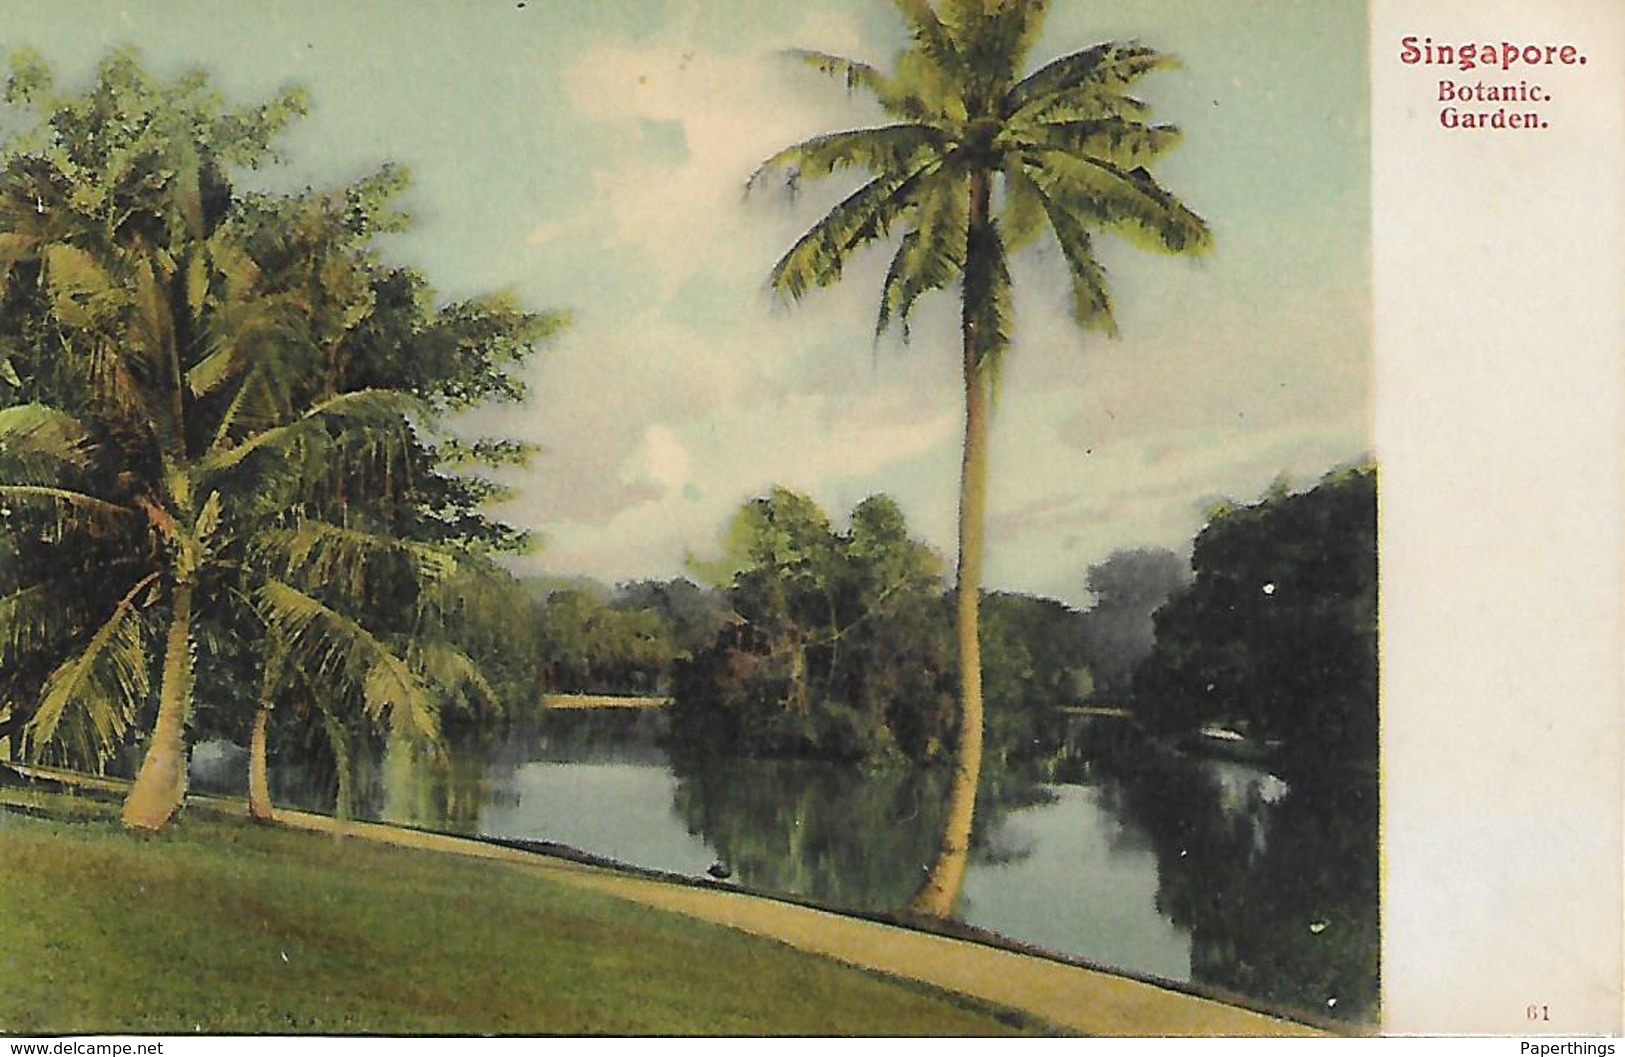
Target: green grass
<point>220,926</point>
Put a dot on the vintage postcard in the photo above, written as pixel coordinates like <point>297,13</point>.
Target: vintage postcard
<point>712,517</point>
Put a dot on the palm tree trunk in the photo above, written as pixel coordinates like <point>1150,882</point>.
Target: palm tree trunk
<point>338,742</point>
<point>259,786</point>
<point>160,786</point>
<point>260,808</point>
<point>939,892</point>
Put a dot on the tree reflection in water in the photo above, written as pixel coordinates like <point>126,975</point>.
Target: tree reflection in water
<point>834,832</point>
<point>1277,883</point>
<point>1274,883</point>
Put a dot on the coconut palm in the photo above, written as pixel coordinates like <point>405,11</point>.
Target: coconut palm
<point>191,502</point>
<point>345,615</point>
<point>975,161</point>
<point>172,370</point>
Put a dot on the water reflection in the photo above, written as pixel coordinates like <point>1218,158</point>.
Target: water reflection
<point>1098,843</point>
<point>1277,884</point>
<point>833,833</point>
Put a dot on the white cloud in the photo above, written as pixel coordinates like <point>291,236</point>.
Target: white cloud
<point>663,459</point>
<point>684,391</point>
<point>733,112</point>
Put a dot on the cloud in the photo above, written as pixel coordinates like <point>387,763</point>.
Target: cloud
<point>684,390</point>
<point>663,459</point>
<point>729,110</point>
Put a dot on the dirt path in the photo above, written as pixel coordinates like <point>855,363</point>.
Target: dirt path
<point>1070,996</point>
<point>1073,997</point>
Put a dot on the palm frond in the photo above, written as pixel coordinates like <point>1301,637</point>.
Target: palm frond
<point>479,597</point>
<point>1124,143</point>
<point>31,618</point>
<point>1092,307</point>
<point>84,295</point>
<point>456,673</point>
<point>383,414</point>
<point>933,39</point>
<point>342,650</point>
<point>856,74</point>
<point>993,41</point>
<point>902,96</point>
<point>38,444</point>
<point>1022,215</point>
<point>350,559</point>
<point>16,246</point>
<point>989,304</point>
<point>930,257</point>
<point>153,328</point>
<point>259,402</point>
<point>1103,70</point>
<point>1130,204</point>
<point>69,510</point>
<point>240,335</point>
<point>867,214</point>
<point>885,149</point>
<point>92,700</point>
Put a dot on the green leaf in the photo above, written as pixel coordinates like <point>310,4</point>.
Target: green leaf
<point>83,293</point>
<point>350,560</point>
<point>99,691</point>
<point>1129,204</point>
<point>337,647</point>
<point>988,302</point>
<point>886,149</point>
<point>38,444</point>
<point>864,216</point>
<point>380,413</point>
<point>73,511</point>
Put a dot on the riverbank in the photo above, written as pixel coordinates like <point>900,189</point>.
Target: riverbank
<point>220,926</point>
<point>1045,992</point>
<point>568,701</point>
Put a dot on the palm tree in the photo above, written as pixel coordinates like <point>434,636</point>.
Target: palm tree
<point>975,162</point>
<point>164,400</point>
<point>345,614</point>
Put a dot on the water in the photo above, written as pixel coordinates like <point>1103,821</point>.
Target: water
<point>1100,846</point>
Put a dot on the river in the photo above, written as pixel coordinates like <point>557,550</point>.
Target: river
<point>1097,845</point>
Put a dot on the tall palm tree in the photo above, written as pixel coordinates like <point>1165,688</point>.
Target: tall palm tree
<point>976,161</point>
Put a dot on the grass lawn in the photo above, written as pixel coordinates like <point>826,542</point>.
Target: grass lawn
<point>221,926</point>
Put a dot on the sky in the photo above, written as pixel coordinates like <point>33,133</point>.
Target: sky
<point>591,156</point>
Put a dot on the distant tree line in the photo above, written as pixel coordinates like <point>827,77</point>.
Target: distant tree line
<point>626,641</point>
<point>813,639</point>
<point>839,642</point>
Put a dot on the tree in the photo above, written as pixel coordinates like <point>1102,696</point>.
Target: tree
<point>192,389</point>
<point>1278,632</point>
<point>1065,149</point>
<point>692,615</point>
<point>1032,663</point>
<point>591,646</point>
<point>1129,586</point>
<point>834,650</point>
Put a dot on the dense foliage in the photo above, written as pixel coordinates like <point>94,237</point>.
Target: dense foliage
<point>626,641</point>
<point>1277,636</point>
<point>832,649</point>
<point>840,642</point>
<point>226,472</point>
